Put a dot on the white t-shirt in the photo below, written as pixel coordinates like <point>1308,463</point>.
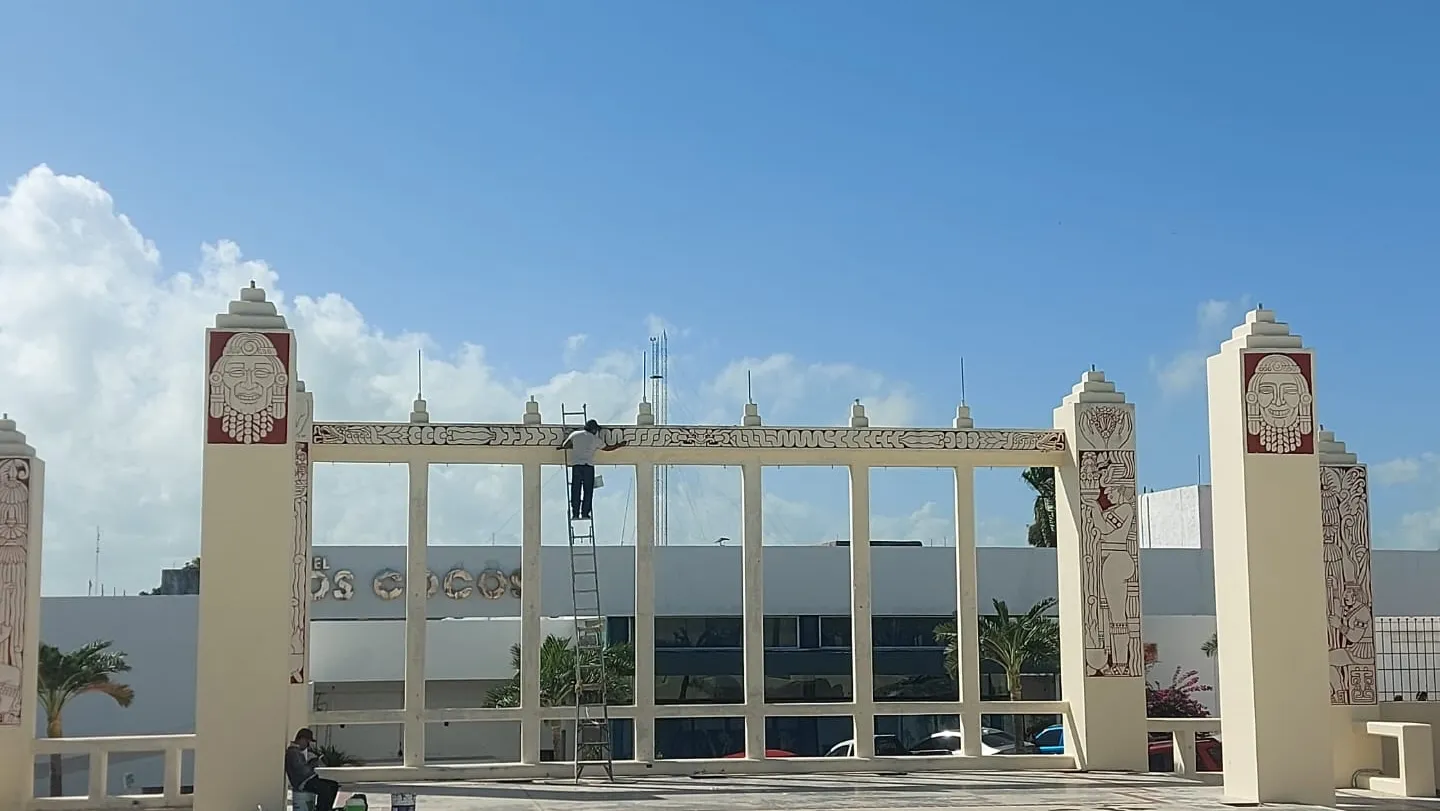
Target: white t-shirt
<point>583,446</point>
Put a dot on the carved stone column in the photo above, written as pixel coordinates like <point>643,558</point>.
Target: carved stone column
<point>244,663</point>
<point>1102,662</point>
<point>22,501</point>
<point>301,682</point>
<point>1350,604</point>
<point>1270,612</point>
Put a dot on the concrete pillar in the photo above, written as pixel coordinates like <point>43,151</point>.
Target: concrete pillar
<point>1350,603</point>
<point>753,585</point>
<point>862,654</point>
<point>22,510</point>
<point>967,614</point>
<point>644,642</point>
<point>1269,552</point>
<point>417,599</point>
<point>1102,667</point>
<point>1349,597</point>
<point>301,695</point>
<point>243,657</point>
<point>531,637</point>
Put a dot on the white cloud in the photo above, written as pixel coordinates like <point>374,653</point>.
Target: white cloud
<point>1405,470</point>
<point>1184,371</point>
<point>1417,530</point>
<point>101,364</point>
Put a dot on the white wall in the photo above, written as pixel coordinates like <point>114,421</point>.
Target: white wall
<point>1178,518</point>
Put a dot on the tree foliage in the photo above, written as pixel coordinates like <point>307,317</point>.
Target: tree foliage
<point>557,678</point>
<point>65,676</point>
<point>1015,642</point>
<point>1041,531</point>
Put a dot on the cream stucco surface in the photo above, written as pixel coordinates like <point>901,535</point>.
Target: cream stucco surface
<point>1270,596</point>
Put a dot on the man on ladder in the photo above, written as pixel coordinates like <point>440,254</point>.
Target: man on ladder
<point>582,445</point>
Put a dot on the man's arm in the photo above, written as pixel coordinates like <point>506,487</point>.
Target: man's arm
<point>618,445</point>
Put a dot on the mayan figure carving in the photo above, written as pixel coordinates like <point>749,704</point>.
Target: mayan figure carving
<point>249,388</point>
<point>14,546</point>
<point>1345,523</point>
<point>1279,403</point>
<point>1110,554</point>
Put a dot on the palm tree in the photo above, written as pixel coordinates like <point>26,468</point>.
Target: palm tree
<point>1010,641</point>
<point>1211,646</point>
<point>1042,531</point>
<point>63,676</point>
<point>557,679</point>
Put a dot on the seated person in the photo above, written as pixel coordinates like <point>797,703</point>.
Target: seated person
<point>300,758</point>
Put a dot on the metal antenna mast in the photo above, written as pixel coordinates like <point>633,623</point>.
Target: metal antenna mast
<point>660,398</point>
<point>98,589</point>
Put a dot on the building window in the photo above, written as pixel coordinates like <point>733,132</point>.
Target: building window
<point>834,632</point>
<point>782,632</point>
<point>698,632</point>
<point>808,689</point>
<point>905,632</point>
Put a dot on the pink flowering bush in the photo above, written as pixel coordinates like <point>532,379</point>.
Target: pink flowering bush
<point>1176,700</point>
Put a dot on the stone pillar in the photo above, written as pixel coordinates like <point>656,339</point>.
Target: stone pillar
<point>644,642</point>
<point>1350,602</point>
<point>967,610</point>
<point>247,525</point>
<point>301,694</point>
<point>22,502</point>
<point>752,580</point>
<point>1102,663</point>
<point>1270,611</point>
<point>862,655</point>
<point>531,636</point>
<point>417,607</point>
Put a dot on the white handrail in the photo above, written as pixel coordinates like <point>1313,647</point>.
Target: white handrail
<point>99,749</point>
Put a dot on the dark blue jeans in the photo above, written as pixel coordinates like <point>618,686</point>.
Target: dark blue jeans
<point>582,490</point>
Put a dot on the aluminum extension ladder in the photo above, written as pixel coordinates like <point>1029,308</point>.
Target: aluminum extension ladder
<point>592,706</point>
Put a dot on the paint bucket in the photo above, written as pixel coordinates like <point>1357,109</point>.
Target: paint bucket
<point>357,802</point>
<point>402,802</point>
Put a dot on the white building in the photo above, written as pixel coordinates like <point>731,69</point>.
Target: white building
<point>358,643</point>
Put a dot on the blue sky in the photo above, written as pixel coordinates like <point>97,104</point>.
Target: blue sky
<point>1034,186</point>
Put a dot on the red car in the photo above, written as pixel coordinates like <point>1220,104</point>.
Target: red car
<point>1207,755</point>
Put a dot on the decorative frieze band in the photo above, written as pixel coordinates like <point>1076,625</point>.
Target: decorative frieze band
<point>692,436</point>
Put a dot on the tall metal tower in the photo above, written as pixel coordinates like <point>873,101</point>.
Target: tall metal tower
<point>660,399</point>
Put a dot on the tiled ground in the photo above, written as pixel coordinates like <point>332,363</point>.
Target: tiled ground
<point>1008,791</point>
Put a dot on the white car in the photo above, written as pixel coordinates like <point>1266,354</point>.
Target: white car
<point>992,742</point>
<point>884,745</point>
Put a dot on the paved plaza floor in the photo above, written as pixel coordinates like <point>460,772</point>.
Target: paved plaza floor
<point>1007,791</point>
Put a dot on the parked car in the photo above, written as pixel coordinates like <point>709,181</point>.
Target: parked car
<point>992,742</point>
<point>884,745</point>
<point>1051,741</point>
<point>1208,755</point>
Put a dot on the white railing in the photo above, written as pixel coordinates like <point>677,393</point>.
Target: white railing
<point>698,766</point>
<point>99,750</point>
<point>1182,735</point>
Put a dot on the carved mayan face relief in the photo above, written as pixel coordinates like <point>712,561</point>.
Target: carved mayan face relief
<point>249,388</point>
<point>1279,406</point>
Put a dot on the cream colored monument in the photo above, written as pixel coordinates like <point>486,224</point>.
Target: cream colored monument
<point>1270,574</point>
<point>1098,559</point>
<point>246,657</point>
<point>22,499</point>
